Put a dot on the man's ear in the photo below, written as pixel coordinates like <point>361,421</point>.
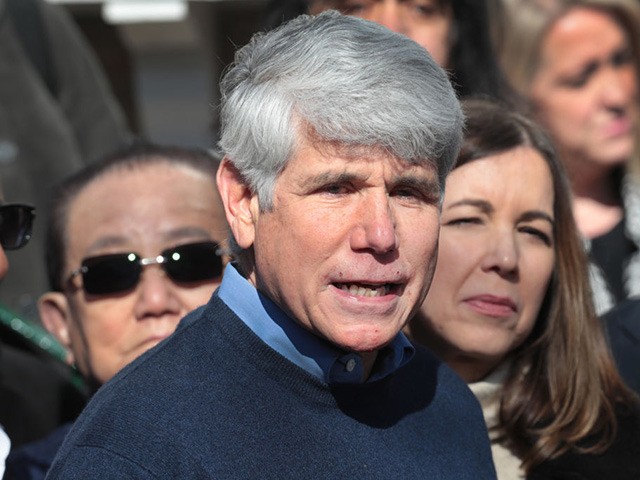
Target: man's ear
<point>55,315</point>
<point>240,203</point>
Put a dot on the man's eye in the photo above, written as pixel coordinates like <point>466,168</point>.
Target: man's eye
<point>335,189</point>
<point>412,195</point>
<point>406,193</point>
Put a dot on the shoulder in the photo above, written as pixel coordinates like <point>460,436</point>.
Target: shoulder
<point>622,328</point>
<point>451,412</point>
<point>115,427</point>
<point>623,323</point>
<point>445,381</point>
<point>32,461</point>
<point>625,315</point>
<point>451,401</point>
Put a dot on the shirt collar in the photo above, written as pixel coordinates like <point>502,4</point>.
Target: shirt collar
<point>308,351</point>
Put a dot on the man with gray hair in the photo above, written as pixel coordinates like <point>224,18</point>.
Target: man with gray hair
<point>338,135</point>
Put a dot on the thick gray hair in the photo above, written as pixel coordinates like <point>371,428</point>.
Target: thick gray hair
<point>346,80</point>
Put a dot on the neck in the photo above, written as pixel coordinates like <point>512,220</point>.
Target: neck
<point>593,181</point>
<point>597,205</point>
<point>470,369</point>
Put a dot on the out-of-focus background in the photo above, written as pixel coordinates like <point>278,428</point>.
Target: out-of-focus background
<point>164,58</point>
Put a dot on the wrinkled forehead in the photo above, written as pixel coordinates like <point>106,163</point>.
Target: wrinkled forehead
<point>355,152</point>
<point>159,200</point>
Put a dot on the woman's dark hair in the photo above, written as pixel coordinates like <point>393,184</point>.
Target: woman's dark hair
<point>474,69</point>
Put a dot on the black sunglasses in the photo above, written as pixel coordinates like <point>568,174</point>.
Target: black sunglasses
<point>16,221</point>
<point>119,272</point>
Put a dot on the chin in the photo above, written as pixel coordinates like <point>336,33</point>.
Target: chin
<point>366,341</point>
<point>617,154</point>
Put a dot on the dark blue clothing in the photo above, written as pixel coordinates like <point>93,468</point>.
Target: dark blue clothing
<point>31,461</point>
<point>621,461</point>
<point>622,328</point>
<point>214,401</point>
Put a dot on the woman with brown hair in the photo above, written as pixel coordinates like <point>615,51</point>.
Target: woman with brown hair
<point>577,62</point>
<point>510,310</point>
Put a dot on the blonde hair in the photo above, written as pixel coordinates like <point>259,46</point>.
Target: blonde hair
<point>521,26</point>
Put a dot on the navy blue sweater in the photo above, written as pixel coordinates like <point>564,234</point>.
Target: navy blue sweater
<point>214,401</point>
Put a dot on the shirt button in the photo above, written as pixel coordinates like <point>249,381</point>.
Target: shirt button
<point>351,364</point>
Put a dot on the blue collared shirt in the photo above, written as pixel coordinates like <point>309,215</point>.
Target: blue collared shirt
<point>310,352</point>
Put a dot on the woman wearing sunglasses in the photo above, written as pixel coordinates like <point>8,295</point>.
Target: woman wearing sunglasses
<point>133,245</point>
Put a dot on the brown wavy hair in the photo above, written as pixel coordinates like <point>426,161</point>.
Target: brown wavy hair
<point>563,391</point>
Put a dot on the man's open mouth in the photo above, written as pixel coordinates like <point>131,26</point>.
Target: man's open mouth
<point>367,290</point>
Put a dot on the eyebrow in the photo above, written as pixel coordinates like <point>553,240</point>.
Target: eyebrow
<point>431,184</point>
<point>325,178</point>
<point>488,209</point>
<point>536,215</point>
<point>413,181</point>
<point>482,205</point>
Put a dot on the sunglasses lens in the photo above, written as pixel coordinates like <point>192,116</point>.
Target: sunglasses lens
<point>16,222</point>
<point>194,262</point>
<point>110,273</point>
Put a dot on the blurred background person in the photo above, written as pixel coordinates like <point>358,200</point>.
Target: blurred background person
<point>622,327</point>
<point>510,310</point>
<point>577,62</point>
<point>16,222</point>
<point>135,243</point>
<point>455,33</point>
<point>57,114</point>
<point>36,395</point>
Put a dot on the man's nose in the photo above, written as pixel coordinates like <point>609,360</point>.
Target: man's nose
<point>375,226</point>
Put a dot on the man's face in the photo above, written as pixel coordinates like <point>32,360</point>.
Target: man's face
<point>145,210</point>
<point>348,249</point>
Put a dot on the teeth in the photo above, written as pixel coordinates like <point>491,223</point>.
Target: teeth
<point>361,291</point>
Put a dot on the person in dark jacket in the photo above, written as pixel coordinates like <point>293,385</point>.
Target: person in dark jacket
<point>622,328</point>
